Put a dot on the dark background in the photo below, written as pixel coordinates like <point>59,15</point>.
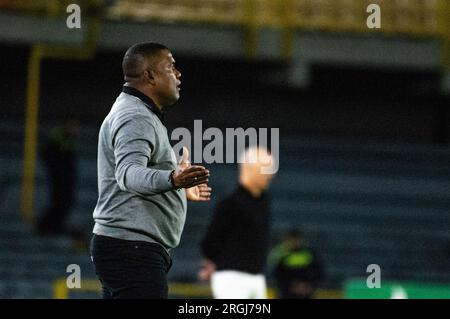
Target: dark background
<point>351,102</point>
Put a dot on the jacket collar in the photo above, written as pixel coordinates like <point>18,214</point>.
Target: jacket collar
<point>144,98</point>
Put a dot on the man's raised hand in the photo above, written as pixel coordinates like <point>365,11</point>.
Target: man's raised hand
<point>187,175</point>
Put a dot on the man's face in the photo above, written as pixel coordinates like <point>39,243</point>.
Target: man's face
<point>263,179</point>
<point>167,79</point>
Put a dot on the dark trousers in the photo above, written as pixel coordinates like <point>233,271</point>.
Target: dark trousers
<point>130,269</point>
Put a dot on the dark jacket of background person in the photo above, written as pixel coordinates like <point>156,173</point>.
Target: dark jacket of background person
<point>59,154</point>
<point>239,233</point>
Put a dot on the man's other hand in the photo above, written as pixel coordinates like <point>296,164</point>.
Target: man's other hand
<point>206,270</point>
<point>200,193</point>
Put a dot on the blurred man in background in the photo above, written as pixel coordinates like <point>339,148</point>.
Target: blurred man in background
<point>59,154</point>
<point>296,268</point>
<point>141,208</point>
<point>237,240</point>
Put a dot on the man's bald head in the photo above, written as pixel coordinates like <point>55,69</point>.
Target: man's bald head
<point>140,57</point>
<point>252,163</point>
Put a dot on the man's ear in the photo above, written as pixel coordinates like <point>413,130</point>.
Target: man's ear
<point>149,77</point>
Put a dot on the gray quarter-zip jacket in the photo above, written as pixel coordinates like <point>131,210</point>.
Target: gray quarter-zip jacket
<point>136,198</point>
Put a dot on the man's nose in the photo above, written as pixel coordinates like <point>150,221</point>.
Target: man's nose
<point>178,73</point>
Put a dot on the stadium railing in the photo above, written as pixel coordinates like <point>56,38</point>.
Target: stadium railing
<point>409,17</point>
<point>176,290</point>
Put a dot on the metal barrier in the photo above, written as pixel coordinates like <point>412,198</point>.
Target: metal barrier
<point>416,18</point>
<point>49,7</point>
<point>413,17</point>
<point>409,17</point>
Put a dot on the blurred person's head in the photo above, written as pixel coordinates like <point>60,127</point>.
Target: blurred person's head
<point>252,176</point>
<point>294,238</point>
<point>150,68</point>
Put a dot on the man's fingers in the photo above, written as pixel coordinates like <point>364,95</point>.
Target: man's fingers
<point>196,182</point>
<point>193,168</point>
<point>204,188</point>
<point>205,193</point>
<point>192,176</point>
<point>195,175</point>
<point>203,198</point>
<point>197,179</point>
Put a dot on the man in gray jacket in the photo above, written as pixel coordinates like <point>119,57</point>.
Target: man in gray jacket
<point>141,208</point>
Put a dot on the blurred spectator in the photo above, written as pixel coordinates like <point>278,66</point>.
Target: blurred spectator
<point>59,154</point>
<point>296,268</point>
<point>236,244</point>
